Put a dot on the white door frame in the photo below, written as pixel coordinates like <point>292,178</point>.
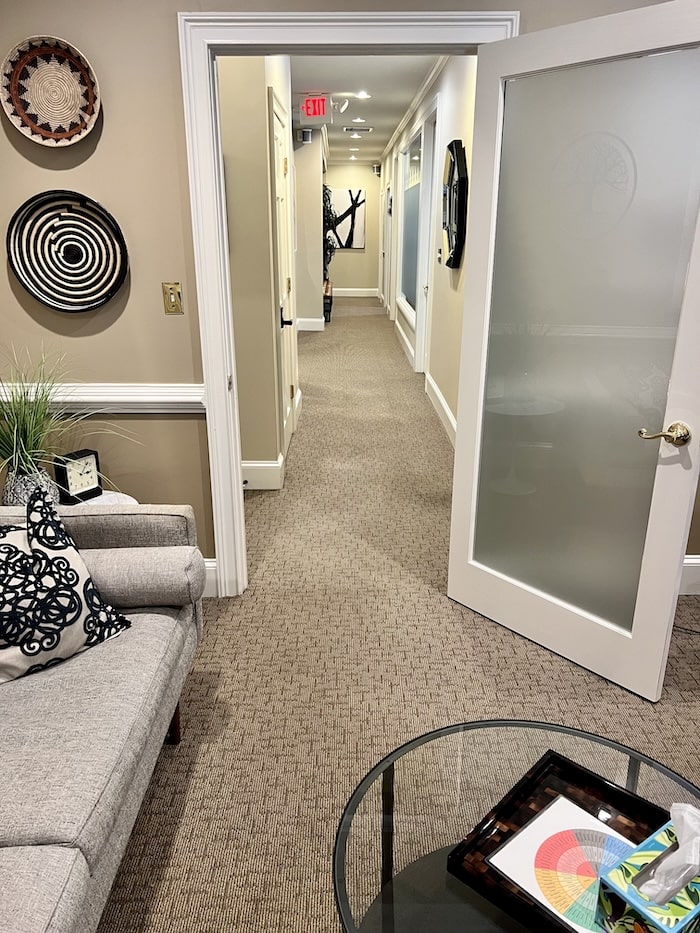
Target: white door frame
<point>203,36</point>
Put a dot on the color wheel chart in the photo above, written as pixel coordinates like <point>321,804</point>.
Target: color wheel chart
<point>558,856</point>
<point>567,867</point>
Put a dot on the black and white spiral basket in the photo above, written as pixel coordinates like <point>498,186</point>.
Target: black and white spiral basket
<point>67,251</point>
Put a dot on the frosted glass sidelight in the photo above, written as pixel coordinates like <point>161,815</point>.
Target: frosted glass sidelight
<point>411,208</point>
<point>597,205</point>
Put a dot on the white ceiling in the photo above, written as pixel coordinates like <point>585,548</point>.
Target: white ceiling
<point>392,80</point>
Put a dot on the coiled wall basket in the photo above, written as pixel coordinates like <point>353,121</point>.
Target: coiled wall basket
<point>49,91</point>
<point>67,251</point>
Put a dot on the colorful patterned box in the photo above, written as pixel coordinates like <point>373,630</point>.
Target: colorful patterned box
<point>622,908</point>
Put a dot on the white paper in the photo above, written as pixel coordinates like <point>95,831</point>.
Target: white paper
<point>558,857</point>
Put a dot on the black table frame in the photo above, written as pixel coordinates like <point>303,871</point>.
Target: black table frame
<point>385,769</point>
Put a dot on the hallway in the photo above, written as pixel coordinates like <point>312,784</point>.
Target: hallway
<point>344,646</point>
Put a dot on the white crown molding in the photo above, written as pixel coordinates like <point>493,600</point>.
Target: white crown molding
<point>416,104</point>
<point>418,32</point>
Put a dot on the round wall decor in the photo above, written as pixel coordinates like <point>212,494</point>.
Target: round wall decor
<point>67,251</point>
<point>49,91</point>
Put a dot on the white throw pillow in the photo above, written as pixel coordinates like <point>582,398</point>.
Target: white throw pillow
<point>49,607</point>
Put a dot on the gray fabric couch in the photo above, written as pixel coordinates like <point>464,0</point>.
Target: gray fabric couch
<point>79,741</point>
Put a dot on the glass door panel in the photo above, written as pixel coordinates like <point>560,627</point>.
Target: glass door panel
<point>598,199</point>
<point>411,222</point>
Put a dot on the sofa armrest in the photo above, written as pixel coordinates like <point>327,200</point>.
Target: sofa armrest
<point>156,576</point>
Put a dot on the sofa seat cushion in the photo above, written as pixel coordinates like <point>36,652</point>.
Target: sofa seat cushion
<point>72,736</point>
<point>50,608</point>
<point>44,889</point>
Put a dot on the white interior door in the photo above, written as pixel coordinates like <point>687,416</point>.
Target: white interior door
<point>283,261</point>
<point>582,323</point>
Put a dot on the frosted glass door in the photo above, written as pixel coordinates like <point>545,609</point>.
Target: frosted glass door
<point>581,327</point>
<point>598,198</point>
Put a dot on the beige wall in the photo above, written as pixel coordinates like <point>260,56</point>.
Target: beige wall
<point>308,176</point>
<point>357,268</point>
<point>457,88</point>
<point>135,163</point>
<point>172,449</point>
<point>245,147</point>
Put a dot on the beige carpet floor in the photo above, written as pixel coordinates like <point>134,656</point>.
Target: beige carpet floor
<point>344,646</point>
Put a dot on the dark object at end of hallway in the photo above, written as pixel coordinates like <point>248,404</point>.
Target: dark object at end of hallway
<point>327,301</point>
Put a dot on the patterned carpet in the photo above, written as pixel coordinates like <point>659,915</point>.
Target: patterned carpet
<point>343,647</point>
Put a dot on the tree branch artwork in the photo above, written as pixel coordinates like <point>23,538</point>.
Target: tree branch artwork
<point>349,207</point>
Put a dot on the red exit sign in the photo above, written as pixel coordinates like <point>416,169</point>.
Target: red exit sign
<point>314,106</point>
<point>315,110</point>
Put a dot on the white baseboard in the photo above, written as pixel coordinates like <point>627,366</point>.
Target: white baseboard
<point>297,405</point>
<point>449,422</point>
<point>355,292</point>
<point>210,586</point>
<point>405,343</point>
<point>263,474</point>
<point>310,323</point>
<point>690,576</point>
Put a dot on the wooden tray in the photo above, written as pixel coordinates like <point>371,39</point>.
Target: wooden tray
<point>552,776</point>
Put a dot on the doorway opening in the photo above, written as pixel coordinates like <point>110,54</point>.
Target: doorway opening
<point>203,37</point>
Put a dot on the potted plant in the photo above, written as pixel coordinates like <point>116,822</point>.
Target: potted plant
<point>33,425</point>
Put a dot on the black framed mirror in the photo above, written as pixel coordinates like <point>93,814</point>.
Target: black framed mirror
<point>454,202</point>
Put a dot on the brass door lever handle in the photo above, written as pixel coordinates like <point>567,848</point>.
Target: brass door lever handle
<point>677,434</point>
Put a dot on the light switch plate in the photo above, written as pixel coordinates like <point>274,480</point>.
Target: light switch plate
<point>172,298</point>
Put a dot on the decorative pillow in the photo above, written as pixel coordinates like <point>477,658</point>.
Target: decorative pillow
<point>49,606</point>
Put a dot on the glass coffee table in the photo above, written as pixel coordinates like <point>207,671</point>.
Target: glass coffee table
<point>390,861</point>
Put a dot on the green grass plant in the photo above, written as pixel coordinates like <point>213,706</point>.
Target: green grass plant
<point>34,423</point>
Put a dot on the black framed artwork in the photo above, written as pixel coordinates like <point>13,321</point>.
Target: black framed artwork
<point>455,184</point>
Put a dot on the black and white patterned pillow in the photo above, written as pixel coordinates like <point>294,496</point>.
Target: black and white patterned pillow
<point>49,607</point>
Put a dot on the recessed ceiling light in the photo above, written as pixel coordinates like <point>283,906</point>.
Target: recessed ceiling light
<point>355,149</point>
<point>359,120</point>
<point>355,136</point>
<point>415,159</point>
<point>353,158</point>
<point>363,95</point>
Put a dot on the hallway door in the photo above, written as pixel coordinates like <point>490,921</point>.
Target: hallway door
<point>581,330</point>
<point>283,261</point>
